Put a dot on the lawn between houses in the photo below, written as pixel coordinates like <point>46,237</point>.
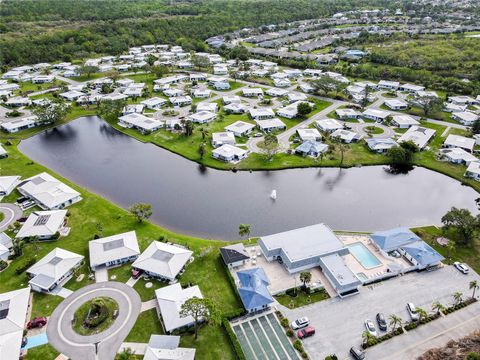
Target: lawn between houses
<point>207,271</point>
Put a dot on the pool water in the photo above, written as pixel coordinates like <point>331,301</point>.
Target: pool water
<point>364,256</point>
<point>362,276</point>
<point>36,340</point>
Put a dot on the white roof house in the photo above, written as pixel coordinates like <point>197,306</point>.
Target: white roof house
<point>276,92</point>
<point>309,134</point>
<point>347,113</point>
<point>229,153</point>
<point>240,128</point>
<point>235,108</point>
<point>376,115</point>
<point>48,192</point>
<point>133,109</point>
<point>294,97</point>
<point>140,122</point>
<point>20,124</point>
<point>460,142</point>
<point>8,184</point>
<point>19,101</point>
<point>72,95</point>
<point>419,135</point>
<point>113,250</point>
<point>404,121</point>
<point>467,118</point>
<point>221,138</point>
<point>44,224</point>
<point>345,136</point>
<point>170,300</point>
<point>162,260</point>
<point>166,347</point>
<point>462,100</point>
<point>205,106</point>
<point>202,93</point>
<point>229,99</point>
<point>251,92</point>
<point>268,125</point>
<point>13,314</point>
<point>380,145</point>
<point>452,108</point>
<point>457,156</point>
<point>180,100</point>
<point>202,117</point>
<point>473,170</point>
<point>53,269</point>
<point>328,125</point>
<point>261,114</point>
<point>396,104</point>
<point>154,103</point>
<point>389,85</point>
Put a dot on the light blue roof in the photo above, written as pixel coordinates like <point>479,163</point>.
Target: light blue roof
<point>312,146</point>
<point>423,253</point>
<point>253,288</point>
<point>394,238</point>
<point>355,52</point>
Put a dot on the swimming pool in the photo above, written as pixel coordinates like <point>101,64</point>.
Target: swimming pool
<point>364,256</point>
<point>37,340</point>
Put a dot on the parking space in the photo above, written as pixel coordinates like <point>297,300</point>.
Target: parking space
<point>339,322</point>
<point>262,338</point>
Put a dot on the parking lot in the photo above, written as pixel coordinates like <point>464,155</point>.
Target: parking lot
<point>339,323</point>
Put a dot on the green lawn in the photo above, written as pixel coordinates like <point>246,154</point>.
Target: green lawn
<point>81,315</point>
<point>148,293</point>
<point>147,324</point>
<point>43,352</point>
<point>301,299</point>
<point>44,304</point>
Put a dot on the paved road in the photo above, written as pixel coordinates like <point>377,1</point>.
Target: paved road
<point>360,128</point>
<point>339,322</point>
<point>11,214</point>
<point>102,346</point>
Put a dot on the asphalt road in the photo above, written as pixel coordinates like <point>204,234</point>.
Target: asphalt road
<point>102,346</point>
<point>11,214</point>
<point>339,323</point>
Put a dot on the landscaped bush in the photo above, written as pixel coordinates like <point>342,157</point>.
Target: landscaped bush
<point>459,306</point>
<point>233,339</point>
<point>19,270</point>
<point>331,357</point>
<point>290,333</point>
<point>284,322</point>
<point>297,344</point>
<point>97,314</point>
<point>304,355</point>
<point>292,292</point>
<point>3,265</point>
<point>377,340</point>
<point>279,314</point>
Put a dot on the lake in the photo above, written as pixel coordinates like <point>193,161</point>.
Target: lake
<point>190,199</point>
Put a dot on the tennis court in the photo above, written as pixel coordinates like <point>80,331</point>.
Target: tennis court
<point>262,338</point>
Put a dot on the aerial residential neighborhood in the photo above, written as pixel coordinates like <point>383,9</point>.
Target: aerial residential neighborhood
<point>239,180</point>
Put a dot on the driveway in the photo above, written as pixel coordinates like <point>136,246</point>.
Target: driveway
<point>104,345</point>
<point>11,214</point>
<point>339,322</point>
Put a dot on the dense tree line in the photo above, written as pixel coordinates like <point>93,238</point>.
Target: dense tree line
<point>49,30</point>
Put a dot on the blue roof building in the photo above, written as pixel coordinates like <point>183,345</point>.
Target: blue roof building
<point>311,148</point>
<point>422,255</point>
<point>390,240</point>
<point>253,289</point>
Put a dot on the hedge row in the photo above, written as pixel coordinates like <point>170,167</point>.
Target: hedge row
<point>377,340</point>
<point>459,306</point>
<point>415,324</point>
<point>233,339</point>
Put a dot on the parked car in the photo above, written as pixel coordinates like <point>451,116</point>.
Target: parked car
<point>412,311</point>
<point>136,274</point>
<point>381,321</point>
<point>300,323</point>
<point>115,314</point>
<point>463,268</point>
<point>370,327</point>
<point>307,332</point>
<point>357,353</point>
<point>37,322</point>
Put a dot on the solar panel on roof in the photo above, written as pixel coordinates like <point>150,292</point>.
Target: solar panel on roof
<point>55,260</point>
<point>114,244</point>
<point>37,180</point>
<point>162,255</point>
<point>41,220</point>
<point>4,308</point>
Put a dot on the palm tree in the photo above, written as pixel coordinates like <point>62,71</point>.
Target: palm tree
<point>450,247</point>
<point>244,230</point>
<point>395,321</point>
<point>367,337</point>
<point>458,297</point>
<point>305,277</point>
<point>126,354</point>
<point>204,133</point>
<point>422,314</point>
<point>34,240</point>
<point>438,307</point>
<point>473,286</point>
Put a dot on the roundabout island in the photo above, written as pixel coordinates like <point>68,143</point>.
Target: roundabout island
<point>93,322</point>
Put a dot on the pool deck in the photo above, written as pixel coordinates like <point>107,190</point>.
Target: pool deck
<point>357,267</point>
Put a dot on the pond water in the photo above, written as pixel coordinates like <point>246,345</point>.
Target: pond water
<point>190,199</point>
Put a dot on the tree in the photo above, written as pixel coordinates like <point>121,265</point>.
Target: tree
<point>438,307</point>
<point>303,109</point>
<point>366,93</point>
<point>367,337</point>
<point>244,230</point>
<point>201,150</point>
<point>141,211</point>
<point>200,309</point>
<point>473,285</point>
<point>111,110</point>
<point>476,127</point>
<point>159,70</point>
<point>397,156</point>
<point>52,113</point>
<point>463,222</point>
<point>271,145</point>
<point>305,277</point>
<point>422,314</point>
<point>450,247</point>
<point>150,60</point>
<point>395,321</point>
<point>126,354</point>
<point>325,84</point>
<point>429,104</point>
<point>204,133</point>
<point>458,297</point>
<point>188,128</point>
<point>88,70</point>
<point>200,62</point>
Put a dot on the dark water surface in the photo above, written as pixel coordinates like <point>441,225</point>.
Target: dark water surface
<point>211,203</point>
